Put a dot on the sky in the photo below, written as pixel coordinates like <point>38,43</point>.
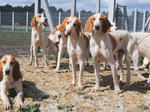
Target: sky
<point>84,4</point>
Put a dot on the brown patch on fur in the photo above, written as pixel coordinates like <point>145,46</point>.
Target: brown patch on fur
<point>16,71</point>
<point>105,23</point>
<point>33,22</point>
<point>1,71</point>
<point>87,41</point>
<point>62,27</point>
<point>148,30</point>
<point>89,24</point>
<point>55,29</point>
<point>79,27</point>
<point>113,41</point>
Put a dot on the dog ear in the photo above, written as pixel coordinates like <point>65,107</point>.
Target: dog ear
<point>16,71</point>
<point>89,24</point>
<point>80,29</point>
<point>62,26</point>
<point>33,21</point>
<point>105,24</point>
<point>1,71</point>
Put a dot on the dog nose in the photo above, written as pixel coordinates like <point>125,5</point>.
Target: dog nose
<point>97,27</point>
<point>59,36</point>
<point>69,33</point>
<point>7,72</point>
<point>45,20</point>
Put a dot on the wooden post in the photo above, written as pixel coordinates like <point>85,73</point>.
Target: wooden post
<point>73,10</point>
<point>13,21</point>
<point>98,6</point>
<point>27,21</point>
<point>59,21</point>
<point>135,19</point>
<point>143,28</point>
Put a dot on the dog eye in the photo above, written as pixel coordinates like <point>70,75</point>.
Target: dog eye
<point>74,24</point>
<point>93,18</point>
<point>67,22</point>
<point>100,19</point>
<point>4,62</point>
<point>11,63</point>
<point>39,15</point>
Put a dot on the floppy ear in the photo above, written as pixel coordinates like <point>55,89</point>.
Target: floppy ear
<point>16,71</point>
<point>62,26</point>
<point>1,71</point>
<point>89,24</point>
<point>54,30</point>
<point>105,25</point>
<point>80,29</point>
<point>33,22</point>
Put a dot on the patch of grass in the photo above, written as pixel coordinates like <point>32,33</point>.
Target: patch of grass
<point>143,107</point>
<point>30,108</point>
<point>68,107</point>
<point>81,93</point>
<point>88,97</point>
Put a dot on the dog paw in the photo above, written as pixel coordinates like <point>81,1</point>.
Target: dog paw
<point>19,105</point>
<point>6,106</point>
<point>57,70</point>
<point>73,84</point>
<point>117,91</point>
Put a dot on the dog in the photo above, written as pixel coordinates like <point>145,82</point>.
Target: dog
<point>38,38</point>
<point>10,77</point>
<point>58,40</point>
<point>103,46</point>
<point>77,45</point>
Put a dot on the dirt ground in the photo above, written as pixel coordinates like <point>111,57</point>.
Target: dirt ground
<point>55,94</point>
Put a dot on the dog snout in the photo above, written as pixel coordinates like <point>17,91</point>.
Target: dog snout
<point>97,27</point>
<point>7,72</point>
<point>45,20</point>
<point>59,36</point>
<point>68,33</point>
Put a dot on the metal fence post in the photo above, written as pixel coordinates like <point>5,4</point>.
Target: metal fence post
<point>59,21</point>
<point>37,6</point>
<point>0,18</point>
<point>98,6</point>
<point>27,21</point>
<point>143,28</point>
<point>111,11</point>
<point>48,14</point>
<point>135,20</point>
<point>73,7</point>
<point>13,21</point>
<point>79,15</point>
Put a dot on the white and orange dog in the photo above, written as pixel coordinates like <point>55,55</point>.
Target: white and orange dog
<point>38,38</point>
<point>10,77</point>
<point>77,45</point>
<point>58,40</point>
<point>104,45</point>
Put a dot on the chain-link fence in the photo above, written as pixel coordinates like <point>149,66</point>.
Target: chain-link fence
<point>134,22</point>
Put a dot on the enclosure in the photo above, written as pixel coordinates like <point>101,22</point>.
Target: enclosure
<point>52,89</point>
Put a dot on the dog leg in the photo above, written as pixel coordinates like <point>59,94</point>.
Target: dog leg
<point>73,61</point>
<point>45,56</point>
<point>18,98</point>
<point>81,64</point>
<point>128,62</point>
<point>114,74</point>
<point>59,59</point>
<point>97,73</point>
<point>31,55</point>
<point>35,56</point>
<point>6,104</point>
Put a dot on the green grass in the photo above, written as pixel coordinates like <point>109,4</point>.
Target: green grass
<point>30,108</point>
<point>68,107</point>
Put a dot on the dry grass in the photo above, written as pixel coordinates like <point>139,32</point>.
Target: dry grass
<point>53,91</point>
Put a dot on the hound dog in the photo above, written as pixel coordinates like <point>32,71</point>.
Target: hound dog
<point>103,46</point>
<point>77,45</point>
<point>58,40</point>
<point>10,77</point>
<point>38,38</point>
